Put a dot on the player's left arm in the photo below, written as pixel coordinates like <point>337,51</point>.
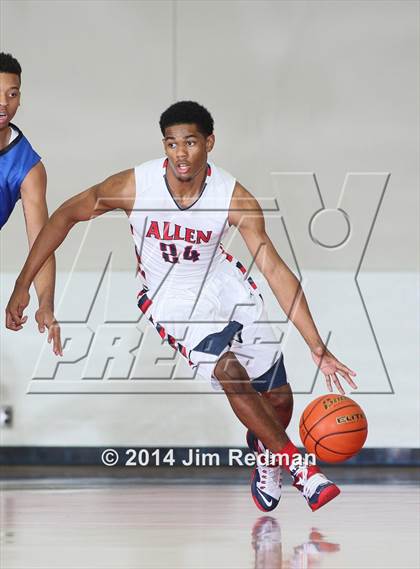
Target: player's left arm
<point>246,214</point>
<point>33,194</point>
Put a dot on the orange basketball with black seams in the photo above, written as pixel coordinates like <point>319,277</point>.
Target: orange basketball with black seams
<point>333,427</point>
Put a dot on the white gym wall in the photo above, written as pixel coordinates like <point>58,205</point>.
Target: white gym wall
<point>295,88</point>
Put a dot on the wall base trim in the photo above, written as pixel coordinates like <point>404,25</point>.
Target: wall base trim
<point>91,456</point>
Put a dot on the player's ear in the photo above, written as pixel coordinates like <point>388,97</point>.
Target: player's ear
<point>210,143</point>
<point>164,146</point>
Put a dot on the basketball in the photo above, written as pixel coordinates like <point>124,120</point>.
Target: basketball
<point>333,427</point>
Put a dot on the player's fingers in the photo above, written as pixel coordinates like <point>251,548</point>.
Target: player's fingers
<point>329,386</point>
<point>58,350</point>
<point>54,337</point>
<point>9,320</point>
<point>346,369</point>
<point>59,344</point>
<point>12,323</point>
<point>337,383</point>
<point>19,310</point>
<point>347,377</point>
<point>15,317</point>
<point>22,318</point>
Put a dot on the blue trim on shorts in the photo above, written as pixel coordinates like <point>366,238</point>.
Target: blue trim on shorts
<point>215,343</point>
<point>272,378</point>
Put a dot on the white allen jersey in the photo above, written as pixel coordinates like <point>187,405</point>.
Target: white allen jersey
<point>197,296</point>
<point>178,248</point>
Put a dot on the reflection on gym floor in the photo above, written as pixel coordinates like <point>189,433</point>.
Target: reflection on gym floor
<point>266,541</point>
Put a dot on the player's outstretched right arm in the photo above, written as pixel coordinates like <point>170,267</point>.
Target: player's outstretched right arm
<point>116,192</point>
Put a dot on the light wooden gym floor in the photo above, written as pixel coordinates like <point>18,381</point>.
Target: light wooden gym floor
<point>82,524</point>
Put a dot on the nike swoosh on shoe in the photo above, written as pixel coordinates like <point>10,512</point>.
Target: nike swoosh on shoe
<point>269,503</point>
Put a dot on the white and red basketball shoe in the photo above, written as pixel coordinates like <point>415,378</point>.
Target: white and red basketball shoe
<point>315,486</point>
<point>265,480</point>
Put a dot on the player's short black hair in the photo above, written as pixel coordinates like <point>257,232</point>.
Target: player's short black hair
<point>187,112</point>
<point>8,64</point>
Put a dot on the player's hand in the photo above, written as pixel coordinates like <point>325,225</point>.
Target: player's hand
<point>15,307</point>
<point>331,367</point>
<point>45,319</point>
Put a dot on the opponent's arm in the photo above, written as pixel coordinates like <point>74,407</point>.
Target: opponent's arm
<point>33,194</point>
<point>116,192</point>
<point>246,214</point>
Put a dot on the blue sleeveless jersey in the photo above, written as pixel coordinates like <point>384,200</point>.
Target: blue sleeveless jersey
<point>16,160</point>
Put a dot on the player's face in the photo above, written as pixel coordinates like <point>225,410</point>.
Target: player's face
<point>9,97</point>
<point>187,149</point>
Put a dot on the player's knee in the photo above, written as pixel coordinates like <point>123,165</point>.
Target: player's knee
<point>231,375</point>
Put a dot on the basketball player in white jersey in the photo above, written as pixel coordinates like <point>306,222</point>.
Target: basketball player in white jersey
<point>179,209</point>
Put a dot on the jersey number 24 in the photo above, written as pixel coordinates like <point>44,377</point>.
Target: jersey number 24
<point>171,255</point>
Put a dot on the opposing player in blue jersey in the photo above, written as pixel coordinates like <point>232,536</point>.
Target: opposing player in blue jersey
<point>23,176</point>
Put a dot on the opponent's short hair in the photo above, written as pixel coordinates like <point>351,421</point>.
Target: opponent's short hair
<point>8,64</point>
<point>187,112</point>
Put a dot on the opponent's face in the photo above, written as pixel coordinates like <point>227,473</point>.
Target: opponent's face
<point>187,148</point>
<point>9,97</point>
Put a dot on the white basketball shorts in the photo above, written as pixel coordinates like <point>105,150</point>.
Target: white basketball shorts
<point>227,314</point>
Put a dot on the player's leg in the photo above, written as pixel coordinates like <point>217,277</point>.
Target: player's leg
<point>252,412</point>
<point>279,402</point>
<point>266,479</point>
<point>247,404</point>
